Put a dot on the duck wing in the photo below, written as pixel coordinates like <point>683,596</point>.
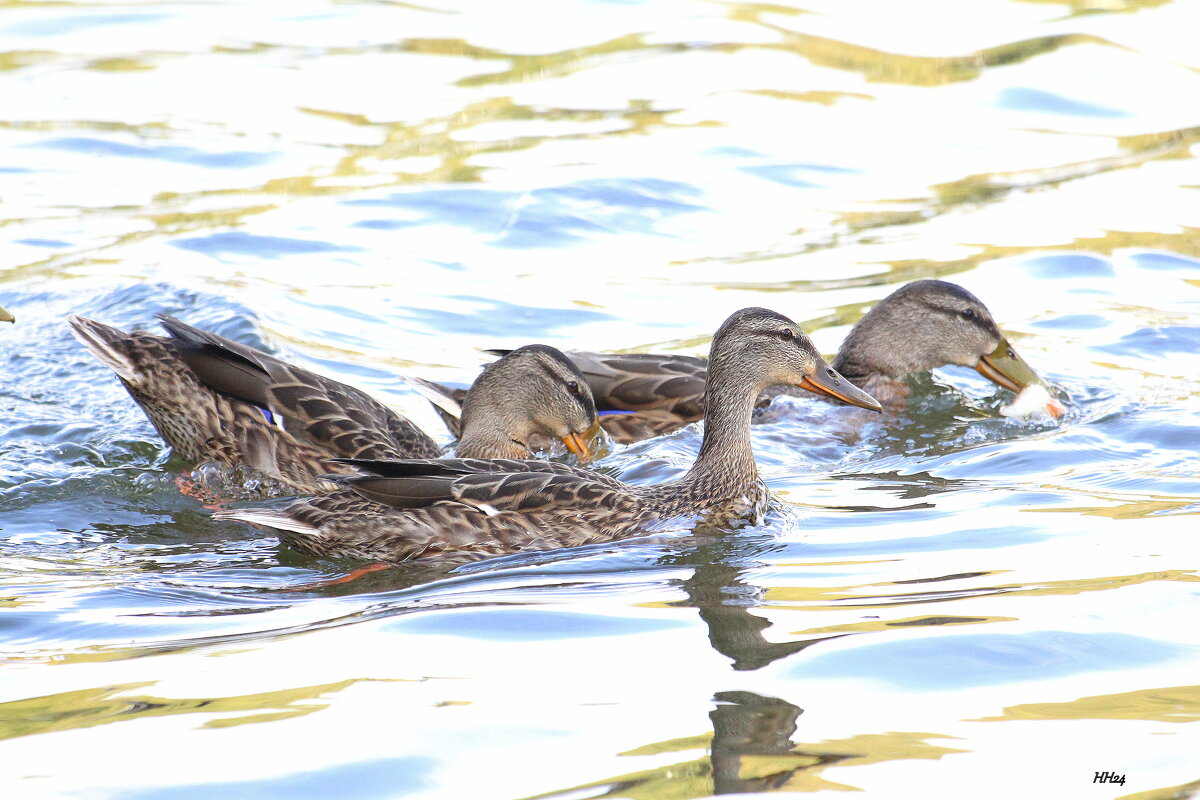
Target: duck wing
<point>328,415</point>
<point>634,426</point>
<point>488,485</point>
<point>645,381</point>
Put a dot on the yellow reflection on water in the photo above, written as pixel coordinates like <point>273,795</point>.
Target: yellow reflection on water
<point>1102,6</point>
<point>824,598</point>
<point>756,754</point>
<point>1187,791</point>
<point>86,708</point>
<point>883,67</point>
<point>875,625</point>
<point>1131,509</point>
<point>1168,704</point>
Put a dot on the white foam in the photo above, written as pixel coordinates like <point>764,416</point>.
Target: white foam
<point>1034,401</point>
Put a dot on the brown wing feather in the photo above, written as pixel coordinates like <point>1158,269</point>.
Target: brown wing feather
<point>344,523</point>
<point>342,420</point>
<point>493,485</point>
<point>643,382</point>
<point>639,425</point>
<point>328,415</point>
<point>314,418</point>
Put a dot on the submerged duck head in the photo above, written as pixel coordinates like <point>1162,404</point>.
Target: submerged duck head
<point>756,346</point>
<point>532,394</point>
<point>928,324</point>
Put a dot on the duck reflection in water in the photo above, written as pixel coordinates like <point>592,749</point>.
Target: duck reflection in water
<point>724,600</point>
<point>751,750</point>
<point>746,726</point>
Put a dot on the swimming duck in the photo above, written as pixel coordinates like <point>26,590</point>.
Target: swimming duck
<point>463,509</point>
<point>215,400</point>
<point>6,317</point>
<point>920,326</point>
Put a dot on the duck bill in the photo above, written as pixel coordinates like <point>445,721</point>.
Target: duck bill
<point>827,381</point>
<point>581,444</point>
<point>6,317</point>
<point>1006,369</point>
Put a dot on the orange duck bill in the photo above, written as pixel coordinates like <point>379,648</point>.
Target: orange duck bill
<point>582,444</point>
<point>825,380</point>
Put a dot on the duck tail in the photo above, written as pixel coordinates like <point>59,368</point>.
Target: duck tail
<point>269,518</point>
<point>107,344</point>
<point>446,401</point>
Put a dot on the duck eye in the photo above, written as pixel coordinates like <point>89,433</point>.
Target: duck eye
<point>968,313</point>
<point>787,335</point>
<point>573,387</point>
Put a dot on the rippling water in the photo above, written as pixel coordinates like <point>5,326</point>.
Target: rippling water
<point>955,603</point>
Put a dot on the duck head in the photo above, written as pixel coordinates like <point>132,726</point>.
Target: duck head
<point>762,348</point>
<point>532,395</point>
<point>928,324</point>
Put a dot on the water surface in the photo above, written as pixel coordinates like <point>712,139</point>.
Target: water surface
<point>946,603</point>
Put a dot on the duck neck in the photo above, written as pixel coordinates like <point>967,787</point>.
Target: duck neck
<point>726,458</point>
<point>489,444</point>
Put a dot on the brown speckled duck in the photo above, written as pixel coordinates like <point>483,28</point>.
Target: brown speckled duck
<point>920,326</point>
<point>215,400</point>
<point>463,509</point>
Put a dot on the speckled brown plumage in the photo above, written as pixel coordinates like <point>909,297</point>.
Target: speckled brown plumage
<point>215,400</point>
<point>920,326</point>
<point>463,509</point>
<point>278,419</point>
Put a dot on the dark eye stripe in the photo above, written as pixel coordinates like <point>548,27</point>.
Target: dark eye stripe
<point>975,318</point>
<point>585,402</point>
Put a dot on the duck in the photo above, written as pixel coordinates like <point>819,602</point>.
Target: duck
<point>920,326</point>
<point>6,316</point>
<point>216,400</point>
<point>461,509</point>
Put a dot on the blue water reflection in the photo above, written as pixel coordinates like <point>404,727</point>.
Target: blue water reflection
<point>248,244</point>
<point>355,187</point>
<point>550,217</point>
<point>1025,99</point>
<point>179,154</point>
<point>378,778</point>
<point>63,24</point>
<point>1156,343</point>
<point>969,660</point>
<point>1063,266</point>
<point>523,625</point>
<point>490,317</point>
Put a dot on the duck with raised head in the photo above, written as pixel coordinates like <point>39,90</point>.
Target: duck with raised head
<point>464,509</point>
<point>920,326</point>
<point>215,400</point>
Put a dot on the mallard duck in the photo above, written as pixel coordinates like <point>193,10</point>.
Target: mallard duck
<point>920,326</point>
<point>462,509</point>
<point>621,426</point>
<point>215,400</point>
<point>6,317</point>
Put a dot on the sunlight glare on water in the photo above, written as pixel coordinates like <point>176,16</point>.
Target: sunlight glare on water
<point>943,602</point>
